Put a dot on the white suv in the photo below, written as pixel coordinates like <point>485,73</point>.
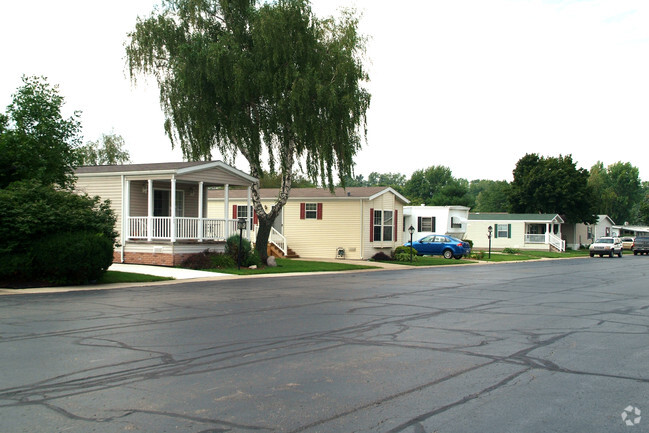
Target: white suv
<point>606,246</point>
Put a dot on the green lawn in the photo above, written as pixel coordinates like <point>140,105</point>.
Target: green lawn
<point>292,265</point>
<point>111,277</point>
<point>495,257</point>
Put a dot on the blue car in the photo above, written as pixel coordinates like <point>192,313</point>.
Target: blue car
<point>441,245</point>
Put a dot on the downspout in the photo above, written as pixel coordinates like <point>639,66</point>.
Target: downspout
<point>121,253</point>
<point>362,230</point>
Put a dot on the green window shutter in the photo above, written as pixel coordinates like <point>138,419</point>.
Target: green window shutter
<point>495,231</point>
<point>509,231</point>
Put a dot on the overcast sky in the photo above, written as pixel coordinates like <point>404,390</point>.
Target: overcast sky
<point>472,85</point>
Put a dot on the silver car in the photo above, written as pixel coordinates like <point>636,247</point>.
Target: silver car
<point>606,246</point>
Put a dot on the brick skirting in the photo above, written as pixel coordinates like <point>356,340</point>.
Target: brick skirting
<point>160,259</point>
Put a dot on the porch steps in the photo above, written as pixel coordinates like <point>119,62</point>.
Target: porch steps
<point>274,251</point>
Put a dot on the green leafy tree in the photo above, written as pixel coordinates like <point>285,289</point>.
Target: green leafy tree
<point>272,82</point>
<point>36,142</point>
<point>274,180</point>
<point>618,189</point>
<point>436,186</point>
<point>489,195</point>
<point>552,185</point>
<point>395,180</point>
<point>108,150</point>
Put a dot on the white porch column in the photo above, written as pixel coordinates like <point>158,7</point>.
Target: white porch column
<point>173,208</point>
<point>149,225</point>
<point>250,218</point>
<point>200,211</point>
<point>226,210</point>
<point>126,211</point>
<point>547,233</point>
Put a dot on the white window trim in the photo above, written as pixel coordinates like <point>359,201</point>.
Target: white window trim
<point>310,214</point>
<point>383,226</point>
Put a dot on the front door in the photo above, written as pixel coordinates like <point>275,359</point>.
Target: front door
<point>278,224</point>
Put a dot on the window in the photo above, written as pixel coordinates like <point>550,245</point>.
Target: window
<point>245,212</point>
<point>503,230</point>
<point>456,223</point>
<point>383,225</point>
<point>311,211</point>
<point>426,224</point>
<point>162,203</point>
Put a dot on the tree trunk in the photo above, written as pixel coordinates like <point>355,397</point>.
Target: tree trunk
<point>263,233</point>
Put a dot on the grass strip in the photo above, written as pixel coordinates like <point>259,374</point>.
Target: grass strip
<point>111,277</point>
<point>293,265</point>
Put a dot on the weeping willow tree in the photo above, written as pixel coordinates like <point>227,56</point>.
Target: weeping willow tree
<point>271,82</point>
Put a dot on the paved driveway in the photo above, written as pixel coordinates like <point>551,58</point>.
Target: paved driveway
<point>558,346</point>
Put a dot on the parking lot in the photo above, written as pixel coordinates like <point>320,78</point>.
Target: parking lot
<point>556,345</point>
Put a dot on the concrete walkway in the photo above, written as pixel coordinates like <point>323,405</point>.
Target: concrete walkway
<point>164,271</point>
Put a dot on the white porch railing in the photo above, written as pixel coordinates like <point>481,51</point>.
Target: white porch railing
<point>186,228</point>
<point>534,239</point>
<point>551,239</point>
<point>557,242</point>
<point>277,239</point>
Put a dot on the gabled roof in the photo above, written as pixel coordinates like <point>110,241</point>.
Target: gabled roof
<point>528,217</point>
<point>177,168</point>
<point>601,218</point>
<point>353,193</point>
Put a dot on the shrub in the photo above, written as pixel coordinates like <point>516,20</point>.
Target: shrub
<point>202,260</point>
<point>70,258</point>
<point>405,257</point>
<point>381,257</point>
<point>478,255</point>
<point>222,261</point>
<point>469,241</point>
<point>253,259</point>
<point>30,212</point>
<point>404,250</point>
<point>511,251</point>
<point>232,249</point>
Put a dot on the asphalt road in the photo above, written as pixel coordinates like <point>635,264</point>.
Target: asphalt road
<point>545,346</point>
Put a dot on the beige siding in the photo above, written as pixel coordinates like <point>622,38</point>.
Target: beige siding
<point>383,202</point>
<point>345,224</point>
<point>312,238</point>
<point>477,232</point>
<point>108,188</point>
<point>214,177</point>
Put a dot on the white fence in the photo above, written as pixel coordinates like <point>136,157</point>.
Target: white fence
<point>550,239</point>
<point>186,228</point>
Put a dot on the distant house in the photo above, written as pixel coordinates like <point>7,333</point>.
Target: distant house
<point>353,223</point>
<point>580,234</point>
<point>162,208</point>
<point>519,231</point>
<point>447,220</point>
<point>629,230</point>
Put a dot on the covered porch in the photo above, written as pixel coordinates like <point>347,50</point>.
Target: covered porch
<point>164,211</point>
<point>546,233</point>
<point>161,208</point>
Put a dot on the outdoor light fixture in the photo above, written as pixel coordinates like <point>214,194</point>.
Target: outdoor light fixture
<point>241,224</point>
<point>489,231</point>
<point>411,230</point>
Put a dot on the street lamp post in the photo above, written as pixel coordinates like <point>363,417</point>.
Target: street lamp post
<point>489,231</point>
<point>411,230</point>
<point>241,224</point>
